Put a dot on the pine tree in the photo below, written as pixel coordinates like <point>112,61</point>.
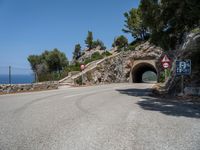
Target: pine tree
<point>98,43</point>
<point>77,52</point>
<point>120,42</point>
<point>134,24</point>
<point>89,40</point>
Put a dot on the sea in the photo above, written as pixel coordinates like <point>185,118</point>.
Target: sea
<point>17,79</point>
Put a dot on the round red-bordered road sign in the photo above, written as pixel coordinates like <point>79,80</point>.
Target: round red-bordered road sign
<point>82,67</point>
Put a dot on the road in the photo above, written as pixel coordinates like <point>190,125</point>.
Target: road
<point>106,117</point>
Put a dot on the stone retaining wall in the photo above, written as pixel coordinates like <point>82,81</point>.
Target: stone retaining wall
<point>192,91</point>
<point>14,88</point>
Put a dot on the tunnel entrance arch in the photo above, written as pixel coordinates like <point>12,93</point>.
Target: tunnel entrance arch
<point>140,67</point>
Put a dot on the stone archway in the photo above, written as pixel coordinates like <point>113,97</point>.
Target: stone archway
<point>140,67</point>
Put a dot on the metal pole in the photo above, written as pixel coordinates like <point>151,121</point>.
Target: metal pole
<point>122,64</point>
<point>82,78</point>
<point>35,77</point>
<point>165,74</point>
<point>10,75</point>
<point>182,85</point>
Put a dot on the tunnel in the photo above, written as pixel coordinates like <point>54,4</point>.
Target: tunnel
<point>140,69</point>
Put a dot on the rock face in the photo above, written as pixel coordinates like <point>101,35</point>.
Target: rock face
<point>192,91</point>
<point>108,71</point>
<point>190,49</point>
<point>146,51</point>
<point>88,53</point>
<point>13,88</point>
<point>116,68</point>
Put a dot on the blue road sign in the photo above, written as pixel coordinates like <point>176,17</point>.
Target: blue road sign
<point>183,67</point>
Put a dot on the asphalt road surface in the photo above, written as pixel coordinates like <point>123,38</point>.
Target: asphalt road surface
<point>107,117</point>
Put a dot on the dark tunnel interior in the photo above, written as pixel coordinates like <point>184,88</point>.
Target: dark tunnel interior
<point>139,70</point>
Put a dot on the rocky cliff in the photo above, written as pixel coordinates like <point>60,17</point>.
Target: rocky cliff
<point>189,49</point>
<point>87,53</point>
<point>115,68</point>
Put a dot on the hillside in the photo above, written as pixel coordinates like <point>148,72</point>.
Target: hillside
<point>115,68</point>
<point>189,49</point>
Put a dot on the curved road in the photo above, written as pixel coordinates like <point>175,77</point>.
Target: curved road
<point>106,117</point>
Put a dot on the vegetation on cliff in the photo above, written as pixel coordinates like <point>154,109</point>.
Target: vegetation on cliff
<point>162,22</point>
<point>166,21</point>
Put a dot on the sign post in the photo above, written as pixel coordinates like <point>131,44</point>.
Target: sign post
<point>165,74</point>
<point>183,67</point>
<point>10,75</point>
<point>165,63</point>
<point>182,85</point>
<point>82,68</point>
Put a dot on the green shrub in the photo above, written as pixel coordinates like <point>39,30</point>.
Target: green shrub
<point>83,53</point>
<point>196,30</point>
<point>132,47</point>
<point>95,56</point>
<point>97,43</point>
<point>106,53</point>
<point>88,60</point>
<point>53,76</point>
<point>162,75</point>
<point>74,67</point>
<point>78,81</point>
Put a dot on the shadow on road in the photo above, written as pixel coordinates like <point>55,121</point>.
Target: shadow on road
<point>165,106</point>
<point>136,92</point>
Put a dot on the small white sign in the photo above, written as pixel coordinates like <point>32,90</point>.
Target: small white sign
<point>165,65</point>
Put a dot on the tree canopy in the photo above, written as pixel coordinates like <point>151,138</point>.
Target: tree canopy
<point>89,40</point>
<point>90,43</point>
<point>134,24</point>
<point>34,60</point>
<point>169,20</point>
<point>98,43</point>
<point>56,60</point>
<point>77,52</point>
<point>120,42</point>
<point>49,61</point>
<point>166,21</point>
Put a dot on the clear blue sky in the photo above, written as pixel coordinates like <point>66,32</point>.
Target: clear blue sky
<point>32,26</point>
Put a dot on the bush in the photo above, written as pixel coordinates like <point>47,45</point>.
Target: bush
<point>97,43</point>
<point>120,42</point>
<point>106,53</point>
<point>134,44</point>
<point>95,56</point>
<point>162,75</point>
<point>196,30</point>
<point>53,76</point>
<point>88,60</point>
<point>78,81</point>
<point>132,47</point>
<point>83,53</point>
<point>74,67</point>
